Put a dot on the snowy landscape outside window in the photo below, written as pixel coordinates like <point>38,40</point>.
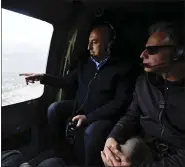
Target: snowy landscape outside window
<point>25,48</point>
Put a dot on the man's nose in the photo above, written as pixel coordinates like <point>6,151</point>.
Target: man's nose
<point>89,46</point>
<point>144,54</point>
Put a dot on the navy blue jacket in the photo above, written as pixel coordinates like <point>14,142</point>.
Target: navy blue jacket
<point>103,93</point>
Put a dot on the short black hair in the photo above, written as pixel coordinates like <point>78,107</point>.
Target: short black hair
<point>174,31</point>
<point>108,26</point>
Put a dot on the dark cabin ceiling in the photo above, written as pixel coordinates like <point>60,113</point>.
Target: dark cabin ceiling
<point>52,10</point>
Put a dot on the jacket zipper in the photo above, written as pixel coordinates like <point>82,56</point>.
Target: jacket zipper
<point>161,112</point>
<point>162,125</point>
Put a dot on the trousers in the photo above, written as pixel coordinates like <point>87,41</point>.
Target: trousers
<point>89,140</point>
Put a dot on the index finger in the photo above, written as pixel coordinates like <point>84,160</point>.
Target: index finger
<point>79,123</point>
<point>104,159</point>
<point>75,118</point>
<point>109,153</point>
<point>118,154</point>
<point>25,74</point>
<point>116,161</point>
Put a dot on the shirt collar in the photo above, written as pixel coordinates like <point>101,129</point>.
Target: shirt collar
<point>101,63</point>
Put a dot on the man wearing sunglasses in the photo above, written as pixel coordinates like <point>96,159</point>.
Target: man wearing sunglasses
<point>152,133</point>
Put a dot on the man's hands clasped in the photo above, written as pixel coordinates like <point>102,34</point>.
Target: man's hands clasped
<point>112,156</point>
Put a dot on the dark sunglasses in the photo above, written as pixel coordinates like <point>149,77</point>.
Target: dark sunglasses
<point>155,49</point>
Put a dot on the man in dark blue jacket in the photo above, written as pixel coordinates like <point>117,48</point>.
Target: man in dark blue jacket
<point>105,87</point>
<point>157,112</point>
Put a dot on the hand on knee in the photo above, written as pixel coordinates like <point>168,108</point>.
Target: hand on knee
<point>136,151</point>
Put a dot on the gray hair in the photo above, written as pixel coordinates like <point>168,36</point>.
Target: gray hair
<point>174,32</point>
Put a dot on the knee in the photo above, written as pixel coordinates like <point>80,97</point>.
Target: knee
<point>133,149</point>
<point>52,108</point>
<point>131,145</point>
<point>54,111</point>
<point>98,129</point>
<point>89,131</point>
<point>92,129</point>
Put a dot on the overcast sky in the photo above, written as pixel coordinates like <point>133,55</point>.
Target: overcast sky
<point>25,43</point>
